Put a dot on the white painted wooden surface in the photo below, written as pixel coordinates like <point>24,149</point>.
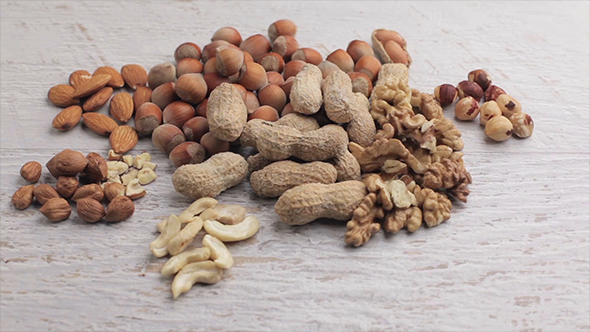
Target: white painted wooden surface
<point>516,257</point>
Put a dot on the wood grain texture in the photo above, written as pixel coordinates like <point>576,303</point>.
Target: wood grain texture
<point>516,257</point>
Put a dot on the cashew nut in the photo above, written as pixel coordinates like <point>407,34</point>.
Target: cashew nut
<point>196,208</point>
<point>205,272</point>
<point>230,214</point>
<point>182,240</point>
<point>146,175</point>
<point>158,247</point>
<point>175,263</point>
<point>232,233</point>
<point>209,214</point>
<point>219,252</point>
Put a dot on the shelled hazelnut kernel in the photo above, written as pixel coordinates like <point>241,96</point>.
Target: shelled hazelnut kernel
<point>523,124</point>
<point>467,109</point>
<point>499,128</point>
<point>481,77</point>
<point>508,105</point>
<point>488,110</point>
<point>445,94</point>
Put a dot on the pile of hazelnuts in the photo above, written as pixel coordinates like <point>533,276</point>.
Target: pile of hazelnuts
<point>500,113</point>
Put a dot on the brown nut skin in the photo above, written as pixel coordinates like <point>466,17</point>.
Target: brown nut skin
<point>274,78</point>
<point>116,78</point>
<point>282,27</point>
<point>189,66</point>
<point>287,110</point>
<point>213,145</point>
<point>166,137</point>
<point>396,53</point>
<point>228,60</point>
<point>265,112</point>
<point>68,118</point>
<point>308,55</point>
<point>210,50</point>
<point>164,95</point>
<point>341,59</point>
<point>201,110</point>
<point>492,92</point>
<point>96,169</point>
<point>361,83</point>
<point>287,85</point>
<point>228,34</point>
<point>389,35</point>
<point>56,209</point>
<point>62,95</point>
<point>66,186</point>
<point>508,105</point>
<point>292,68</point>
<point>469,89</point>
<point>44,193</point>
<point>359,48</point>
<point>119,209</point>
<point>142,95</point>
<point>499,128</point>
<point>467,109</point>
<point>256,45</point>
<point>368,65</point>
<point>67,162</point>
<point>187,50</point>
<point>285,46</point>
<point>178,113</point>
<point>98,99</point>
<point>191,88</point>
<point>272,62</point>
<point>113,189</point>
<point>160,74</point>
<point>445,94</point>
<point>251,101</point>
<point>210,66</point>
<point>31,171</point>
<point>481,77</point>
<point>252,76</point>
<point>488,110</point>
<point>92,190</point>
<point>134,75</point>
<point>214,80</point>
<point>187,153</point>
<point>78,77</point>
<point>90,210</point>
<point>272,95</point>
<point>195,128</point>
<point>147,118</point>
<point>23,197</point>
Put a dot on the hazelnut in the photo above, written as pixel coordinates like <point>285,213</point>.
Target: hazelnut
<point>272,95</point>
<point>252,76</point>
<point>213,144</point>
<point>31,171</point>
<point>241,90</point>
<point>286,86</point>
<point>499,128</point>
<point>265,112</point>
<point>113,189</point>
<point>488,110</point>
<point>195,128</point>
<point>201,110</point>
<point>210,66</point>
<point>229,60</point>
<point>467,109</point>
<point>166,137</point>
<point>164,95</point>
<point>142,95</point>
<point>92,190</point>
<point>469,89</point>
<point>445,94</point>
<point>177,113</point>
<point>282,28</point>
<point>481,77</point>
<point>90,210</point>
<point>229,35</point>
<point>187,50</point>
<point>160,74</point>
<point>287,109</point>
<point>274,78</point>
<point>210,50</point>
<point>147,118</point>
<point>187,153</point>
<point>361,83</point>
<point>247,57</point>
<point>326,67</point>
<point>292,68</point>
<point>251,102</point>
<point>44,193</point>
<point>191,88</point>
<point>187,66</point>
<point>56,209</point>
<point>214,80</point>
<point>508,105</point>
<point>119,209</point>
<point>358,49</point>
<point>492,92</point>
<point>272,62</point>
<point>66,186</point>
<point>368,65</point>
<point>396,53</point>
<point>285,46</point>
<point>256,45</point>
<point>96,169</point>
<point>523,124</point>
<point>341,59</point>
<point>308,55</point>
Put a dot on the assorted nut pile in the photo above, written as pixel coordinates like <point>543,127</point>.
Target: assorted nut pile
<point>119,182</point>
<point>222,223</point>
<point>500,113</point>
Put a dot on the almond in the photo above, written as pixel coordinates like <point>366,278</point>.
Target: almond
<point>92,190</point>
<point>97,167</point>
<point>56,209</point>
<point>78,77</point>
<point>92,85</point>
<point>98,99</point>
<point>44,193</point>
<point>142,95</point>
<point>112,190</point>
<point>116,78</point>
<point>119,209</point>
<point>67,162</point>
<point>62,95</point>
<point>66,186</point>
<point>23,197</point>
<point>134,75</point>
<point>99,123</point>
<point>123,139</point>
<point>68,118</point>
<point>90,210</point>
<point>31,171</point>
<point>122,107</point>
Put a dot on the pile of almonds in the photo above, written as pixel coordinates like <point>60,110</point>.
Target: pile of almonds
<point>99,178</point>
<point>501,114</point>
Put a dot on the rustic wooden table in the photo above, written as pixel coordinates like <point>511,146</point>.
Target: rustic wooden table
<point>516,257</point>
